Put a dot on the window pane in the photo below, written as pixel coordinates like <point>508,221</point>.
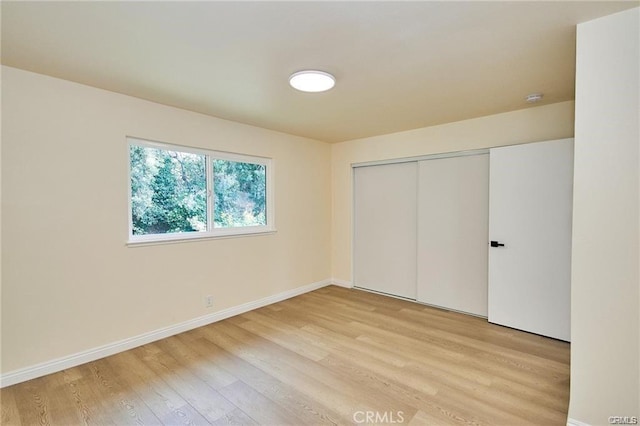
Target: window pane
<point>168,191</point>
<point>240,194</point>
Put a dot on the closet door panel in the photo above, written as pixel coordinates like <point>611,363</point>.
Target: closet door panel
<point>453,223</point>
<point>385,228</point>
<point>531,216</point>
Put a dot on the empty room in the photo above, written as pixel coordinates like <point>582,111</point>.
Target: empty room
<point>320,213</point>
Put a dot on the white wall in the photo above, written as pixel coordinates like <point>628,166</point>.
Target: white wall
<point>69,283</point>
<point>605,327</point>
<point>548,122</point>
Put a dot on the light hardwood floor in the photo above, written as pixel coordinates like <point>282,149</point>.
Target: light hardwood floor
<point>332,356</point>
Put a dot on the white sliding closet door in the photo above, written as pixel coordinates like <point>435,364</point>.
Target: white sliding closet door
<point>453,223</point>
<point>385,228</point>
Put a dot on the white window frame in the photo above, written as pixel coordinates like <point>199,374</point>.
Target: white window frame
<point>212,231</point>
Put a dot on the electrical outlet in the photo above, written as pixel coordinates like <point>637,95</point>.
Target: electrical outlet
<point>208,301</point>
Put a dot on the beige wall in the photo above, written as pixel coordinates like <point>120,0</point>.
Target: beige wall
<point>605,260</point>
<point>553,121</point>
<point>69,281</point>
<point>0,210</point>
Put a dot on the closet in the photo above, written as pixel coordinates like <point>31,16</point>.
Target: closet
<point>421,230</point>
<point>486,233</point>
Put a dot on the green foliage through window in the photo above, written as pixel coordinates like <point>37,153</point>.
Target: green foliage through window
<point>169,192</point>
<point>240,194</point>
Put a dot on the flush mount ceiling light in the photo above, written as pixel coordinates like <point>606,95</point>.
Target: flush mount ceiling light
<point>534,97</point>
<point>312,81</point>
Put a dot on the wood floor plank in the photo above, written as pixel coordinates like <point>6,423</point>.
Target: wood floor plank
<point>235,417</point>
<point>262,409</point>
<point>159,396</point>
<point>9,409</point>
<point>284,335</point>
<point>342,402</point>
<point>122,405</point>
<point>88,403</point>
<point>473,326</point>
<point>457,345</point>
<point>419,381</point>
<point>32,401</point>
<point>308,407</point>
<point>206,369</point>
<point>331,356</point>
<point>386,384</point>
<point>284,358</point>
<point>203,398</point>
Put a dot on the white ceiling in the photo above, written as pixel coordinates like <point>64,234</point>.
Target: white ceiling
<point>398,65</point>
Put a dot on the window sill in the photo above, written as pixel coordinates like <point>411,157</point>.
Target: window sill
<point>184,238</point>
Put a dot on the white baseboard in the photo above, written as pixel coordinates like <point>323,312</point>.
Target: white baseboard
<point>59,364</point>
<point>341,283</point>
<point>574,422</point>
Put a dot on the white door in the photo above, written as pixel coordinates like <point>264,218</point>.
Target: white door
<point>453,226</point>
<point>385,228</point>
<point>530,211</point>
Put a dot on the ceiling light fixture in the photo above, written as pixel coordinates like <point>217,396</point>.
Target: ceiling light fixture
<point>534,97</point>
<point>312,81</point>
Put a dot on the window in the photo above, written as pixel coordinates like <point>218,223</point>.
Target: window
<point>181,193</point>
